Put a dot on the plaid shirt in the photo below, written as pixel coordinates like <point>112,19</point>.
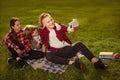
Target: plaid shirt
<point>44,33</point>
<point>22,39</point>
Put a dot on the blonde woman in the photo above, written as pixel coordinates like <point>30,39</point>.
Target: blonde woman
<point>54,37</point>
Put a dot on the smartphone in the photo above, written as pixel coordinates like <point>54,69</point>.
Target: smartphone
<point>70,24</point>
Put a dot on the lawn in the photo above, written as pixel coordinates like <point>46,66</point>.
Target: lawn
<point>99,29</point>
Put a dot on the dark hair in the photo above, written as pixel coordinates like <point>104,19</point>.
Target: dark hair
<point>12,23</point>
<point>13,20</point>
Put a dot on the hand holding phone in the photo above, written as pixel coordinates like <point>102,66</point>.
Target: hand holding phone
<point>70,24</point>
<point>73,24</point>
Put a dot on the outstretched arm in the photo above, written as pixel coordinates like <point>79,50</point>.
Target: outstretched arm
<point>73,25</point>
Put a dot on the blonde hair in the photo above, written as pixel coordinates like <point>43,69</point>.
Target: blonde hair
<point>29,29</point>
<point>41,17</point>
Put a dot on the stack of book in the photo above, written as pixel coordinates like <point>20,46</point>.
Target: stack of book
<point>106,55</point>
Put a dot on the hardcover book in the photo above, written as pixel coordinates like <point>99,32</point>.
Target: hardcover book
<point>106,55</point>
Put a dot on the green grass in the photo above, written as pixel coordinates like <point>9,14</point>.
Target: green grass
<point>99,29</point>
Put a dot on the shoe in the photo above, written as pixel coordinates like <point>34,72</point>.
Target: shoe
<point>21,64</point>
<point>10,60</point>
<point>99,65</point>
<point>78,64</point>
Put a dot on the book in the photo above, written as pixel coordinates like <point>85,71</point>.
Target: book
<point>106,55</point>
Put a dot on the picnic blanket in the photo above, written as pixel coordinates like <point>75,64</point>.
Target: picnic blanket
<point>48,66</point>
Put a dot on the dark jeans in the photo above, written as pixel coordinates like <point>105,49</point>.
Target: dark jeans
<point>32,54</point>
<point>61,55</point>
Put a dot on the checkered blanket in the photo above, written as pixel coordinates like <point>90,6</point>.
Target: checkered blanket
<point>46,65</point>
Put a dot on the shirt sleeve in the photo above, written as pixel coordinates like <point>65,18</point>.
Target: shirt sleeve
<point>26,42</point>
<point>44,37</point>
<point>8,41</point>
<point>63,28</point>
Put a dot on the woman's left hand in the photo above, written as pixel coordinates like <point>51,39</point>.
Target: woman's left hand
<point>69,29</point>
<point>58,27</point>
<point>75,23</point>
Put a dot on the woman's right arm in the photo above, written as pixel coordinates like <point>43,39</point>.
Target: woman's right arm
<point>7,41</point>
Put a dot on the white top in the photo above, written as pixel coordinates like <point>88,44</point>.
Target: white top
<point>55,42</point>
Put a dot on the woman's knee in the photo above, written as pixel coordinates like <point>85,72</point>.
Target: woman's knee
<point>79,44</point>
<point>49,56</point>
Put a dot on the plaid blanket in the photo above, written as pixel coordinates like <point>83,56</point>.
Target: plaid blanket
<point>48,66</point>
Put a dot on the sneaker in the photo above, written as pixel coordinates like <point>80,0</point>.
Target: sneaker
<point>78,64</point>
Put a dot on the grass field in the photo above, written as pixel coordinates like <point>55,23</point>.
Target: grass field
<point>99,29</point>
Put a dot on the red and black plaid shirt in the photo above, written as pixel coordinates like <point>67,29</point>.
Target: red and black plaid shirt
<point>61,35</point>
<point>22,39</point>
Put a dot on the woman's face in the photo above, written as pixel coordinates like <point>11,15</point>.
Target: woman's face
<point>35,33</point>
<point>48,22</point>
<point>17,26</point>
